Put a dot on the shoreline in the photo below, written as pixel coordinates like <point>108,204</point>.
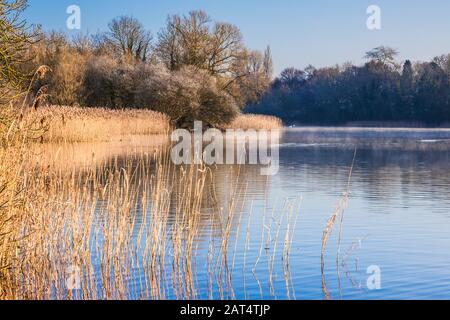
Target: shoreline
<point>374,128</point>
<point>82,124</point>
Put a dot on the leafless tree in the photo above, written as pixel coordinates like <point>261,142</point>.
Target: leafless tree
<point>251,77</point>
<point>128,38</point>
<point>169,43</point>
<point>383,56</point>
<point>193,40</point>
<point>224,48</point>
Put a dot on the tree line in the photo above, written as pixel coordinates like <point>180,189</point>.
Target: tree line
<point>194,68</point>
<point>381,90</point>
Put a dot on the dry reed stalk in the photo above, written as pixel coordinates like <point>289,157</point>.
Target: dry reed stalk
<point>287,244</point>
<point>338,212</point>
<point>273,255</point>
<point>246,247</point>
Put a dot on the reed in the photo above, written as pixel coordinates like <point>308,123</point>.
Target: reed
<point>121,229</point>
<point>75,124</point>
<point>337,213</point>
<point>256,122</point>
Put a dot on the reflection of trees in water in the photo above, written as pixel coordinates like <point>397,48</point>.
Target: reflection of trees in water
<point>380,172</point>
<point>411,175</point>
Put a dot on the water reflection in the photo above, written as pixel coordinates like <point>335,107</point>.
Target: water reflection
<point>397,219</point>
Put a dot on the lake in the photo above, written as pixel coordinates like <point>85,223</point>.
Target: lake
<point>396,221</point>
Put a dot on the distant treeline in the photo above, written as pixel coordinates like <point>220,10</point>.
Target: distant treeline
<point>379,91</point>
<point>192,69</point>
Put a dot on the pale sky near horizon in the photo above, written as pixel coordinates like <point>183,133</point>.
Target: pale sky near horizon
<point>300,32</point>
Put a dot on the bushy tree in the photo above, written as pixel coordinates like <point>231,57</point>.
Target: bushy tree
<point>110,83</point>
<point>188,95</point>
<point>184,95</point>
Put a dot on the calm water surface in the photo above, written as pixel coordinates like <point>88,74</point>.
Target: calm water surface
<point>398,218</point>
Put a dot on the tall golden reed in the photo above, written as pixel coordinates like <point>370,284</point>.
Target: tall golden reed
<point>123,228</point>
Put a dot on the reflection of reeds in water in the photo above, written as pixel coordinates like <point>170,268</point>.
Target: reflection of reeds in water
<point>127,228</point>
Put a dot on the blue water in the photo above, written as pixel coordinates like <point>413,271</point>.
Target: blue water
<point>398,219</point>
<point>398,215</point>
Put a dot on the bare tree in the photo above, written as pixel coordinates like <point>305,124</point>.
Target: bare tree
<point>384,56</point>
<point>224,48</point>
<point>128,38</point>
<point>268,62</point>
<point>250,77</point>
<point>292,77</point>
<point>83,43</point>
<point>257,81</point>
<point>194,35</point>
<point>169,44</point>
<point>193,40</point>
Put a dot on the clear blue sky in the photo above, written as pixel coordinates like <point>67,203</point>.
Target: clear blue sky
<point>300,32</point>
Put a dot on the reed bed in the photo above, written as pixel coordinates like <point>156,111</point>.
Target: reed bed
<point>76,124</point>
<point>129,228</point>
<point>256,122</point>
